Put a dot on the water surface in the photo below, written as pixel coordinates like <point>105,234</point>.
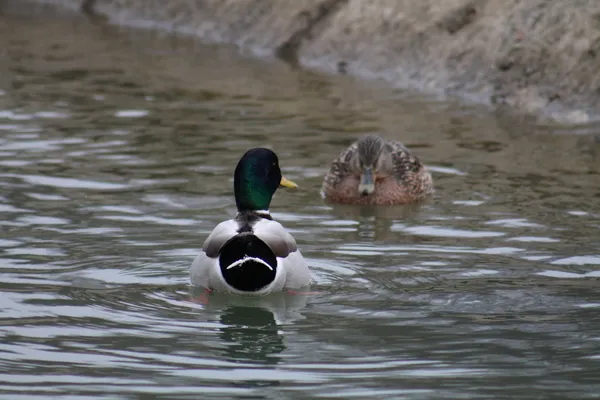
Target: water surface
<point>117,150</point>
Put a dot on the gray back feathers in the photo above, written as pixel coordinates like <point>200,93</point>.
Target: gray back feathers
<point>272,233</point>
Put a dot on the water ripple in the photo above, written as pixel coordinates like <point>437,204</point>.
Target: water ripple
<point>117,160</point>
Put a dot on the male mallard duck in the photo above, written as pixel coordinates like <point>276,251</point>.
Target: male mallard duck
<point>376,171</point>
<point>252,254</point>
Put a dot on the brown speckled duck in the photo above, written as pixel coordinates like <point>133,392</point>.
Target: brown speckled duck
<point>376,171</point>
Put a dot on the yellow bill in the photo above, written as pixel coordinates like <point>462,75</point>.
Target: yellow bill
<point>287,183</point>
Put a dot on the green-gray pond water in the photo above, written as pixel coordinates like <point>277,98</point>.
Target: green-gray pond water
<point>117,150</point>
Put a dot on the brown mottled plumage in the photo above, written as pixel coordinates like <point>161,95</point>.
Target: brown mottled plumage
<point>373,170</point>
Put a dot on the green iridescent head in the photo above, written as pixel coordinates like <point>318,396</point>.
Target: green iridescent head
<point>256,178</point>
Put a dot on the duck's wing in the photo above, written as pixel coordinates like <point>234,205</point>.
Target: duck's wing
<point>409,171</point>
<point>297,272</point>
<point>200,270</point>
<point>219,236</point>
<point>283,244</point>
<point>340,167</point>
<point>204,265</point>
<point>404,161</point>
<point>280,241</point>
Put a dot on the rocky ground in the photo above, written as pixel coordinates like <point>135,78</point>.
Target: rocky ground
<point>536,57</point>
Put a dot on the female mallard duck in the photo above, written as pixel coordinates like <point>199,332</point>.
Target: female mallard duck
<point>252,254</point>
<point>376,171</point>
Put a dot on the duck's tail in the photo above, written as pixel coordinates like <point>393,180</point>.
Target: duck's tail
<point>247,263</point>
<point>246,259</point>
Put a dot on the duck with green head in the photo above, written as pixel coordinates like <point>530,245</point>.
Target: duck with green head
<point>252,253</point>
